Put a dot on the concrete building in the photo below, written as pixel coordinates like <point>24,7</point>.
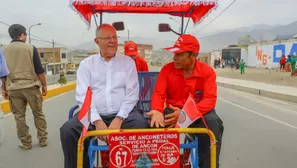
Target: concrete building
<point>234,53</point>
<point>53,59</point>
<point>205,57</point>
<point>75,57</point>
<point>215,55</point>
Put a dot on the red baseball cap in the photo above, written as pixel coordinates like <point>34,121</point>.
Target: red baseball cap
<point>185,42</point>
<point>130,48</point>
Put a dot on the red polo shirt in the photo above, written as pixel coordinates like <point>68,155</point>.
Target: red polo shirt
<point>141,64</point>
<point>174,88</point>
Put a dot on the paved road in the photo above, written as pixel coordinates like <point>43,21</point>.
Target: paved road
<point>259,133</point>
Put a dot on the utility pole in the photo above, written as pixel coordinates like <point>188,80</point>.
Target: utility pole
<point>53,42</point>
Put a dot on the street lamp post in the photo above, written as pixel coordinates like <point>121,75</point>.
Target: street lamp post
<point>38,24</point>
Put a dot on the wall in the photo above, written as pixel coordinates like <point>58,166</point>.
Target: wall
<point>214,56</point>
<point>47,53</point>
<point>63,56</point>
<point>53,60</point>
<point>268,54</point>
<point>204,57</point>
<point>244,55</point>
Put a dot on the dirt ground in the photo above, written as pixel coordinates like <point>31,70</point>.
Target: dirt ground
<point>260,75</point>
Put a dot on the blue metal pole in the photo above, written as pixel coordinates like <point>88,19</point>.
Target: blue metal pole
<point>101,18</point>
<point>95,20</point>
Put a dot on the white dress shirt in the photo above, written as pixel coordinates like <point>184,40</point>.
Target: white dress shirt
<point>114,85</point>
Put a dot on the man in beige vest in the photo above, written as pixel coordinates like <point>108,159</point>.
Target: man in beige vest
<point>22,85</point>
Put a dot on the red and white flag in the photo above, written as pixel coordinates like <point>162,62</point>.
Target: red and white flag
<point>188,114</point>
<point>83,115</point>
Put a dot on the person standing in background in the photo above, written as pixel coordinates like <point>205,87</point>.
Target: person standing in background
<point>22,85</point>
<point>288,64</point>
<point>131,50</point>
<point>282,63</point>
<point>242,65</point>
<point>293,63</point>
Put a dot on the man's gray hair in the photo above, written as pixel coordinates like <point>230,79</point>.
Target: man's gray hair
<point>103,26</point>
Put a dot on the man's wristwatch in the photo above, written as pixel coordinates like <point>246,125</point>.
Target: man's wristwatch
<point>121,118</point>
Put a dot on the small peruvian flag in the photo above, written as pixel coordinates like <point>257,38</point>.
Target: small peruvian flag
<point>190,114</point>
<point>83,115</point>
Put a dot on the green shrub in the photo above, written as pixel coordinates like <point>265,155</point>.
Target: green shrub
<point>62,80</point>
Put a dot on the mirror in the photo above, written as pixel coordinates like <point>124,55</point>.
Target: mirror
<point>164,27</point>
<point>119,26</point>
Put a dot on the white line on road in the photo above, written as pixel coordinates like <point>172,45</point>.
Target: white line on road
<point>251,96</point>
<point>262,115</point>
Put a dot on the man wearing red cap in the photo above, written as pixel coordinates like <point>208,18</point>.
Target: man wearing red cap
<point>186,75</point>
<point>132,51</point>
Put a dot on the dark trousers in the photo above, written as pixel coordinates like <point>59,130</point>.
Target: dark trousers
<point>215,124</point>
<point>71,130</point>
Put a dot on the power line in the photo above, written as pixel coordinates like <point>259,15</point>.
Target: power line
<point>31,33</point>
<point>218,15</point>
<point>39,38</point>
<point>4,23</point>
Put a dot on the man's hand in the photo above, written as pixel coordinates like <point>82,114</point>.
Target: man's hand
<point>116,123</point>
<point>100,125</point>
<point>44,90</point>
<point>157,118</point>
<point>4,94</point>
<point>171,119</point>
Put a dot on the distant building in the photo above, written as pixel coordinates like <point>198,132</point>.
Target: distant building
<point>205,57</point>
<point>284,37</point>
<point>215,55</point>
<point>53,59</point>
<point>233,54</point>
<point>75,57</point>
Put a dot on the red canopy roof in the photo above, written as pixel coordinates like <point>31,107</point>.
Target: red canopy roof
<point>196,9</point>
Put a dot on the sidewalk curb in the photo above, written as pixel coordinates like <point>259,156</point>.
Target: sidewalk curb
<point>260,92</point>
<point>4,105</point>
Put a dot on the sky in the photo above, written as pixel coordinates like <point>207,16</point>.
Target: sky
<point>62,24</point>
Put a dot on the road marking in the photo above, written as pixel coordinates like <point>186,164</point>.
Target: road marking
<point>250,96</point>
<point>276,104</point>
<point>49,99</point>
<point>262,115</point>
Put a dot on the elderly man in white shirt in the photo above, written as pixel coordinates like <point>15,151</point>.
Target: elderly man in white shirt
<point>114,83</point>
